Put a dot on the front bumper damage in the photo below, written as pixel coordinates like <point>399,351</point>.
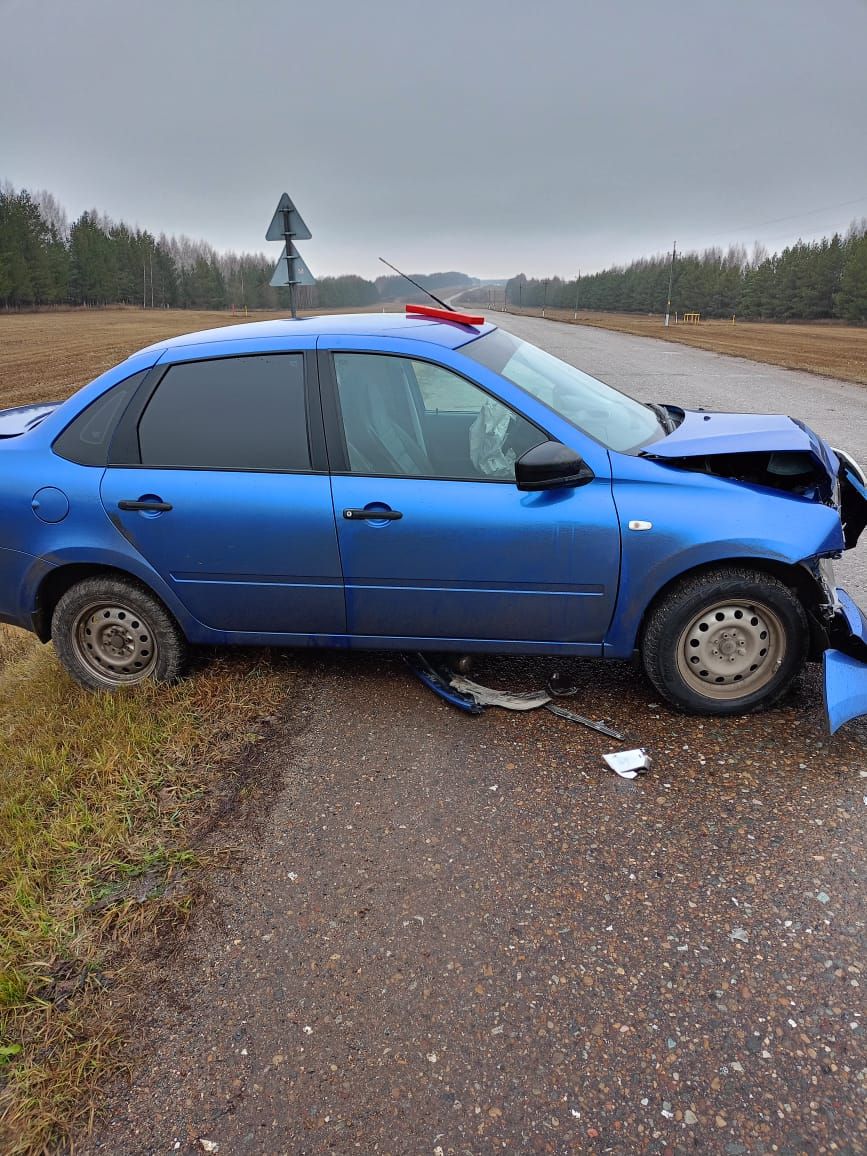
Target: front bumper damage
<point>845,664</point>
<point>845,661</point>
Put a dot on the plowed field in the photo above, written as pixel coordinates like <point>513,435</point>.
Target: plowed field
<point>47,356</point>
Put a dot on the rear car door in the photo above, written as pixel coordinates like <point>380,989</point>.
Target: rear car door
<point>217,476</point>
<point>435,538</point>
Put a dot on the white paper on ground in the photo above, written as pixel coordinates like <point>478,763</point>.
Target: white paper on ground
<point>628,764</point>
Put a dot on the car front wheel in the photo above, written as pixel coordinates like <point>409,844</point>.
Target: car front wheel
<point>110,633</point>
<point>725,641</point>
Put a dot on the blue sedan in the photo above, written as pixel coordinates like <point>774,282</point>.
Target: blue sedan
<point>424,482</point>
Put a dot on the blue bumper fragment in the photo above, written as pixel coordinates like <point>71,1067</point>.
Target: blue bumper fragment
<point>846,674</point>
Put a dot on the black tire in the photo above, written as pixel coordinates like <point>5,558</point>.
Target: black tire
<point>726,641</point>
<point>111,633</point>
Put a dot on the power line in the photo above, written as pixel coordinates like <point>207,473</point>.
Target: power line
<point>780,220</point>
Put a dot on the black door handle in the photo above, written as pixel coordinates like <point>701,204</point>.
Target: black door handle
<point>373,515</point>
<point>158,506</point>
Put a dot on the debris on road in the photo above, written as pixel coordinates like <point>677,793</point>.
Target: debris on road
<point>561,712</point>
<point>629,764</point>
<point>473,697</point>
<point>559,685</point>
<point>489,696</point>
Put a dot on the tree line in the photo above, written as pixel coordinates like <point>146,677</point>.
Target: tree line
<point>45,260</point>
<point>810,280</point>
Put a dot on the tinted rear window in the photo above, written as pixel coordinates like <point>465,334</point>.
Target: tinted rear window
<point>241,413</point>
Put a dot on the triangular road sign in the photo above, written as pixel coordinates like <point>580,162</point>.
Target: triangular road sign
<point>292,272</point>
<point>277,228</point>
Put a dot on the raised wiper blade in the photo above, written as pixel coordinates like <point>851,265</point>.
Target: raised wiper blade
<point>663,416</point>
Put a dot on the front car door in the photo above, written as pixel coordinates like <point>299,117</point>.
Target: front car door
<point>219,480</point>
<point>437,543</point>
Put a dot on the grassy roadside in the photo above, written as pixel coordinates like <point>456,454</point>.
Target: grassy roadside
<point>831,350</point>
<point>101,800</point>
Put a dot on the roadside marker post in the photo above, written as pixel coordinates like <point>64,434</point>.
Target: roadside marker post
<point>670,282</point>
<point>288,225</point>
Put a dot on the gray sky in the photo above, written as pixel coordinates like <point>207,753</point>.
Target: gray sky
<point>491,137</point>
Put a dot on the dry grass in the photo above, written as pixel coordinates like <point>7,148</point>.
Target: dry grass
<point>832,350</point>
<point>100,797</point>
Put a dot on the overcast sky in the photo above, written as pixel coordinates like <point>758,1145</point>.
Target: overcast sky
<point>490,136</point>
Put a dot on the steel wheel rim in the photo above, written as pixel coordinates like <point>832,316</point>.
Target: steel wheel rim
<point>115,643</point>
<point>731,649</point>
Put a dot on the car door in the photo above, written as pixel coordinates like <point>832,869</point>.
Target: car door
<point>436,540</point>
<point>212,479</point>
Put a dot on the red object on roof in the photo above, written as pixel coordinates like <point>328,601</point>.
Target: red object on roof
<point>445,314</point>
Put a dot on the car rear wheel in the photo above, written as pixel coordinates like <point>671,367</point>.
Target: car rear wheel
<point>110,633</point>
<point>725,641</point>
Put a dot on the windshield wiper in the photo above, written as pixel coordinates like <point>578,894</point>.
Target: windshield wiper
<point>663,416</point>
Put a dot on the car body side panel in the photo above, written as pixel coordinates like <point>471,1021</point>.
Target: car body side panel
<point>696,520</point>
<point>479,560</point>
<point>83,535</point>
<point>15,568</point>
<point>241,550</point>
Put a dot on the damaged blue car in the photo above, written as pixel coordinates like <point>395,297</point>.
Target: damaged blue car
<point>424,482</point>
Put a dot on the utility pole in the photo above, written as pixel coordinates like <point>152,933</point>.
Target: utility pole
<point>152,278</point>
<point>670,280</point>
<point>577,290</point>
<point>144,285</point>
<point>544,296</point>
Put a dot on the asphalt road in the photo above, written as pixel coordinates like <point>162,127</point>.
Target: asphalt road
<point>453,935</point>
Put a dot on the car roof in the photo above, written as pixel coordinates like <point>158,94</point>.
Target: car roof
<point>450,334</point>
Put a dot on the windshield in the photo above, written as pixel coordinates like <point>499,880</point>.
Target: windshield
<point>612,418</point>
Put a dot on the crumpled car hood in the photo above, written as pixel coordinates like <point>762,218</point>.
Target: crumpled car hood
<point>768,450</point>
<point>702,434</point>
<point>23,418</point>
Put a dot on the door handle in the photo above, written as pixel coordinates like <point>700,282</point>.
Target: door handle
<point>373,515</point>
<point>158,507</point>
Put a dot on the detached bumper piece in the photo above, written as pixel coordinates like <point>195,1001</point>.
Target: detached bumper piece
<point>472,697</point>
<point>846,665</point>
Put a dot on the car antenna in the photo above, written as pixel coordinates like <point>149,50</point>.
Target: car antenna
<point>406,277</point>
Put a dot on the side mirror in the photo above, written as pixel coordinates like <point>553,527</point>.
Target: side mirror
<point>551,466</point>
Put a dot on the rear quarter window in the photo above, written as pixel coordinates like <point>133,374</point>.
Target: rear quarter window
<point>87,438</point>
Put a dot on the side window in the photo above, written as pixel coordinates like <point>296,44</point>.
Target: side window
<point>237,413</point>
<point>86,439</point>
<point>412,418</point>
